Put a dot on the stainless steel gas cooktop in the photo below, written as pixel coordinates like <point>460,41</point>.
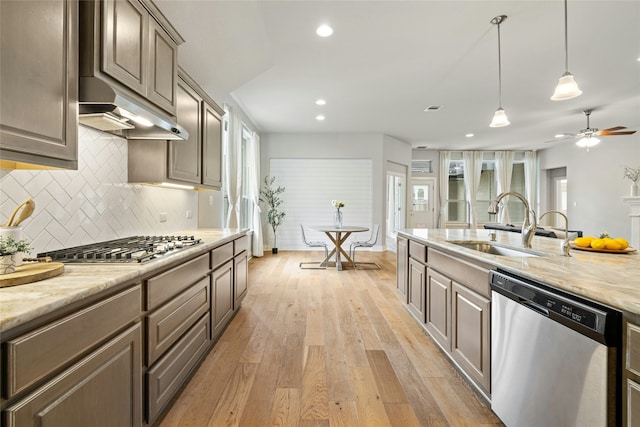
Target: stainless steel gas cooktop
<point>135,249</point>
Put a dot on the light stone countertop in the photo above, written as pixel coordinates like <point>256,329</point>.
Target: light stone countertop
<point>612,279</point>
<point>22,303</point>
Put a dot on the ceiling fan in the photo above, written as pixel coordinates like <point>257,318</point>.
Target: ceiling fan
<point>587,137</point>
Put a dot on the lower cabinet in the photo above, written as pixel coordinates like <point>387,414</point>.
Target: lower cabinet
<point>470,334</point>
<point>222,301</point>
<point>101,390</point>
<point>402,261</point>
<point>438,313</point>
<point>631,371</point>
<point>416,291</point>
<point>240,272</point>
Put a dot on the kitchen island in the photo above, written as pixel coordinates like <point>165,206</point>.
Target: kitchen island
<point>444,281</point>
<point>129,333</point>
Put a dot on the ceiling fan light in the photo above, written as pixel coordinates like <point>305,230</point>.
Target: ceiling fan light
<point>567,88</point>
<point>588,141</point>
<point>499,119</point>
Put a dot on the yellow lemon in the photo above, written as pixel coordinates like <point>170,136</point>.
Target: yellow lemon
<point>623,242</point>
<point>612,244</point>
<point>597,244</point>
<point>588,239</point>
<point>582,242</point>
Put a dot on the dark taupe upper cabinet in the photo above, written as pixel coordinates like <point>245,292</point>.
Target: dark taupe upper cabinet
<point>131,42</point>
<point>211,147</point>
<point>39,81</point>
<point>197,160</point>
<point>185,157</point>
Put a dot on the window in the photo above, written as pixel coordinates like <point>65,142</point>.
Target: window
<point>458,207</point>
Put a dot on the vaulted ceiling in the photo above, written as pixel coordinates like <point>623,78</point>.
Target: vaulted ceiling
<point>389,60</point>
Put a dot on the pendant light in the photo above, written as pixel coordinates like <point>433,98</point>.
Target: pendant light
<point>567,87</point>
<point>500,117</point>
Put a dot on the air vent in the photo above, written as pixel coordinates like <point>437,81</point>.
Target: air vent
<point>432,108</point>
<point>421,166</point>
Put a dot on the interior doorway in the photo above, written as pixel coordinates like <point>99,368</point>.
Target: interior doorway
<point>557,200</point>
<point>396,189</point>
<point>422,210</point>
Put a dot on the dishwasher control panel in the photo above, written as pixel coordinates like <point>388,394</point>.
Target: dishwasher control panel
<point>587,317</point>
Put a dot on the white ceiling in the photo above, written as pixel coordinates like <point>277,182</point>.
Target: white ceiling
<point>388,60</point>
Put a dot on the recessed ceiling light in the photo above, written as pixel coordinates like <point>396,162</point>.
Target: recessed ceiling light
<point>324,30</point>
<point>469,135</point>
<point>320,117</point>
<point>321,102</point>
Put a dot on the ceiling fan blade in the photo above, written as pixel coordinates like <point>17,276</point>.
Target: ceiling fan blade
<point>608,133</point>
<point>612,129</point>
<point>567,136</point>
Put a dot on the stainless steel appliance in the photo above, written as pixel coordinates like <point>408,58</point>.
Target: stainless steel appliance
<point>555,356</point>
<point>134,249</point>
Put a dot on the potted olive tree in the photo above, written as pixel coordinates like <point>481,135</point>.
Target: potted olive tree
<point>271,196</point>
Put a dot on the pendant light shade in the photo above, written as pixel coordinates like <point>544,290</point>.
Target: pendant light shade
<point>567,87</point>
<point>500,117</point>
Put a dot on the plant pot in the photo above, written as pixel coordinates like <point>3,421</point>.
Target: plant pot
<point>8,263</point>
<point>274,250</point>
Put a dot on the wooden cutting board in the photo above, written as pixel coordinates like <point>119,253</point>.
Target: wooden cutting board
<point>33,272</point>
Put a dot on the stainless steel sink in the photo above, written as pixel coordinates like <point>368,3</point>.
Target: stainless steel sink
<point>497,249</point>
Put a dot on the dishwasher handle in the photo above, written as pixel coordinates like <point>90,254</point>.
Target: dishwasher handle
<point>535,307</point>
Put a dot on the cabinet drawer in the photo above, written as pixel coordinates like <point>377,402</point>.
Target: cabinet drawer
<point>101,389</point>
<point>633,348</point>
<point>221,255</point>
<point>471,275</point>
<point>241,244</point>
<point>417,251</point>
<point>168,375</point>
<point>169,322</point>
<point>37,354</point>
<point>174,281</point>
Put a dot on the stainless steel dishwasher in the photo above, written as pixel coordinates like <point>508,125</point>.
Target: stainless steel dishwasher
<point>554,356</point>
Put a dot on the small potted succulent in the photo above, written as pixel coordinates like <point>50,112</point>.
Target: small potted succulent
<point>10,251</point>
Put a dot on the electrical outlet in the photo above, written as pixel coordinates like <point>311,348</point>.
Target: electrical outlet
<point>189,214</point>
<point>163,217</point>
<point>210,200</point>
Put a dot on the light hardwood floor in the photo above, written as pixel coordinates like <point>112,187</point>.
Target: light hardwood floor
<point>325,348</point>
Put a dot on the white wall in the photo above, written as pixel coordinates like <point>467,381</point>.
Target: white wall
<point>94,203</point>
<point>595,182</point>
<point>377,147</point>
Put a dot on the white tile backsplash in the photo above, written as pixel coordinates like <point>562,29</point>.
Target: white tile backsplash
<point>94,203</point>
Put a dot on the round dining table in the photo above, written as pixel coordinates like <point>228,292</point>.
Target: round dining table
<point>338,235</point>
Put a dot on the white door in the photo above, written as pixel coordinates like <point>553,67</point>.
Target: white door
<point>395,203</point>
<point>422,203</point>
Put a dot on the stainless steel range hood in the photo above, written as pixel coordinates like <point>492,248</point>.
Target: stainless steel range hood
<point>107,107</point>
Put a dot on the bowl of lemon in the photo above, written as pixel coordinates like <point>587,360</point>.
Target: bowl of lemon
<point>603,243</point>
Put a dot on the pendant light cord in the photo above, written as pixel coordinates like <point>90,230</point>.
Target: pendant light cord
<point>566,38</point>
<point>499,71</point>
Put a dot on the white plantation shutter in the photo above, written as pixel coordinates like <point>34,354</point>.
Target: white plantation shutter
<point>310,185</point>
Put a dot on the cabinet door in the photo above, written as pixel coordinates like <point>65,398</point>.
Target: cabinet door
<point>417,280</point>
<point>240,276</point>
<point>185,157</point>
<point>39,82</point>
<point>102,390</point>
<point>125,43</point>
<point>163,68</point>
<point>402,267</point>
<point>470,335</point>
<point>438,316</point>
<point>211,148</point>
<point>222,297</point>
<point>632,403</point>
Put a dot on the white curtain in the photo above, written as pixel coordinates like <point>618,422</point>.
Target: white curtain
<point>504,171</point>
<point>254,193</point>
<point>445,158</point>
<point>234,172</point>
<point>472,171</point>
<point>530,177</point>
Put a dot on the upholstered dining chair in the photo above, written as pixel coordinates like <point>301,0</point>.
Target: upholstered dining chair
<point>373,238</point>
<point>315,244</point>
